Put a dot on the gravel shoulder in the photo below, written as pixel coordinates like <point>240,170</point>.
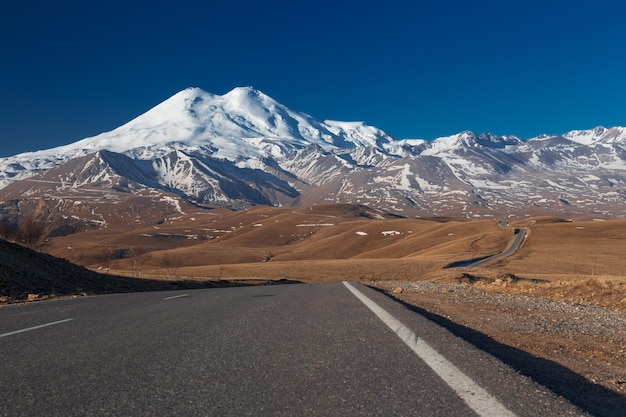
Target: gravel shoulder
<point>577,350</point>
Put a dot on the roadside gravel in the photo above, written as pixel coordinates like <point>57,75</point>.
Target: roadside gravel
<point>577,350</point>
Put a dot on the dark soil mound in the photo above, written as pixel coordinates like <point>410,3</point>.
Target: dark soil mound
<point>26,274</point>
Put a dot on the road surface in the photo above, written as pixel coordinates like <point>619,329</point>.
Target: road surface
<point>518,238</point>
<point>334,349</point>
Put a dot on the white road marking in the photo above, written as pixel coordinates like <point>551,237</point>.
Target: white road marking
<point>176,296</point>
<point>35,327</point>
<point>475,396</point>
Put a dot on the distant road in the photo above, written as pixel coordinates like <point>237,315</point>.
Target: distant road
<point>287,350</point>
<point>518,238</point>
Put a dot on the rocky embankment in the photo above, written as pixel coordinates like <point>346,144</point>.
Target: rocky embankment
<point>577,350</point>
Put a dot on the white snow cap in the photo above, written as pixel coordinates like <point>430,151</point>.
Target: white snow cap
<point>241,123</point>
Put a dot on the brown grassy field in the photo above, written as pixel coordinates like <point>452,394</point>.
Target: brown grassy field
<point>573,260</point>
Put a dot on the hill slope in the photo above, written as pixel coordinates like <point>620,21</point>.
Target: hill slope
<point>27,275</point>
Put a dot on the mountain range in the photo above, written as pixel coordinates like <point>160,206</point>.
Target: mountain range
<point>244,148</point>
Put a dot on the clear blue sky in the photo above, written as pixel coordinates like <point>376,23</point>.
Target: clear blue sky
<point>416,69</point>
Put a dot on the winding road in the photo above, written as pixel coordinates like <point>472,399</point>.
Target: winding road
<point>520,234</point>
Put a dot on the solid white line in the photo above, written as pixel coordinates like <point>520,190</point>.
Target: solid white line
<point>475,396</point>
<point>35,327</point>
<point>176,296</point>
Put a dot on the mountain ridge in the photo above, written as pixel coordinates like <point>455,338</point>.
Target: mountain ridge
<point>244,148</point>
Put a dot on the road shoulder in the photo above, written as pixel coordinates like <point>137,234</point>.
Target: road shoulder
<point>576,350</point>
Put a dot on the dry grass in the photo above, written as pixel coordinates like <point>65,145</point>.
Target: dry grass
<point>578,261</point>
<point>327,270</point>
<point>572,248</point>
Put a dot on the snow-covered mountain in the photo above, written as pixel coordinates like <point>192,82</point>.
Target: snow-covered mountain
<point>244,148</point>
<point>243,123</point>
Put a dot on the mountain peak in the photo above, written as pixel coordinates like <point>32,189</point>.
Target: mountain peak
<point>193,90</point>
<point>490,140</point>
<point>245,90</point>
<point>187,93</point>
<point>249,99</point>
<point>598,134</point>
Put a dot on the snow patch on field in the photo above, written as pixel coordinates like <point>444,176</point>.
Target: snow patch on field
<point>173,201</point>
<point>389,233</point>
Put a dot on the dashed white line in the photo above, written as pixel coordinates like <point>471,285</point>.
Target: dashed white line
<point>175,296</point>
<point>35,327</point>
<point>475,396</point>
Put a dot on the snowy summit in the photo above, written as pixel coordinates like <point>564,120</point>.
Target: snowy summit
<point>244,147</point>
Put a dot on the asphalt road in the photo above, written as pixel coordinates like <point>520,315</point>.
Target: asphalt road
<point>286,350</point>
<point>520,234</point>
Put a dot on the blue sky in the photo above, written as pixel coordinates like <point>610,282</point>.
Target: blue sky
<point>416,69</point>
